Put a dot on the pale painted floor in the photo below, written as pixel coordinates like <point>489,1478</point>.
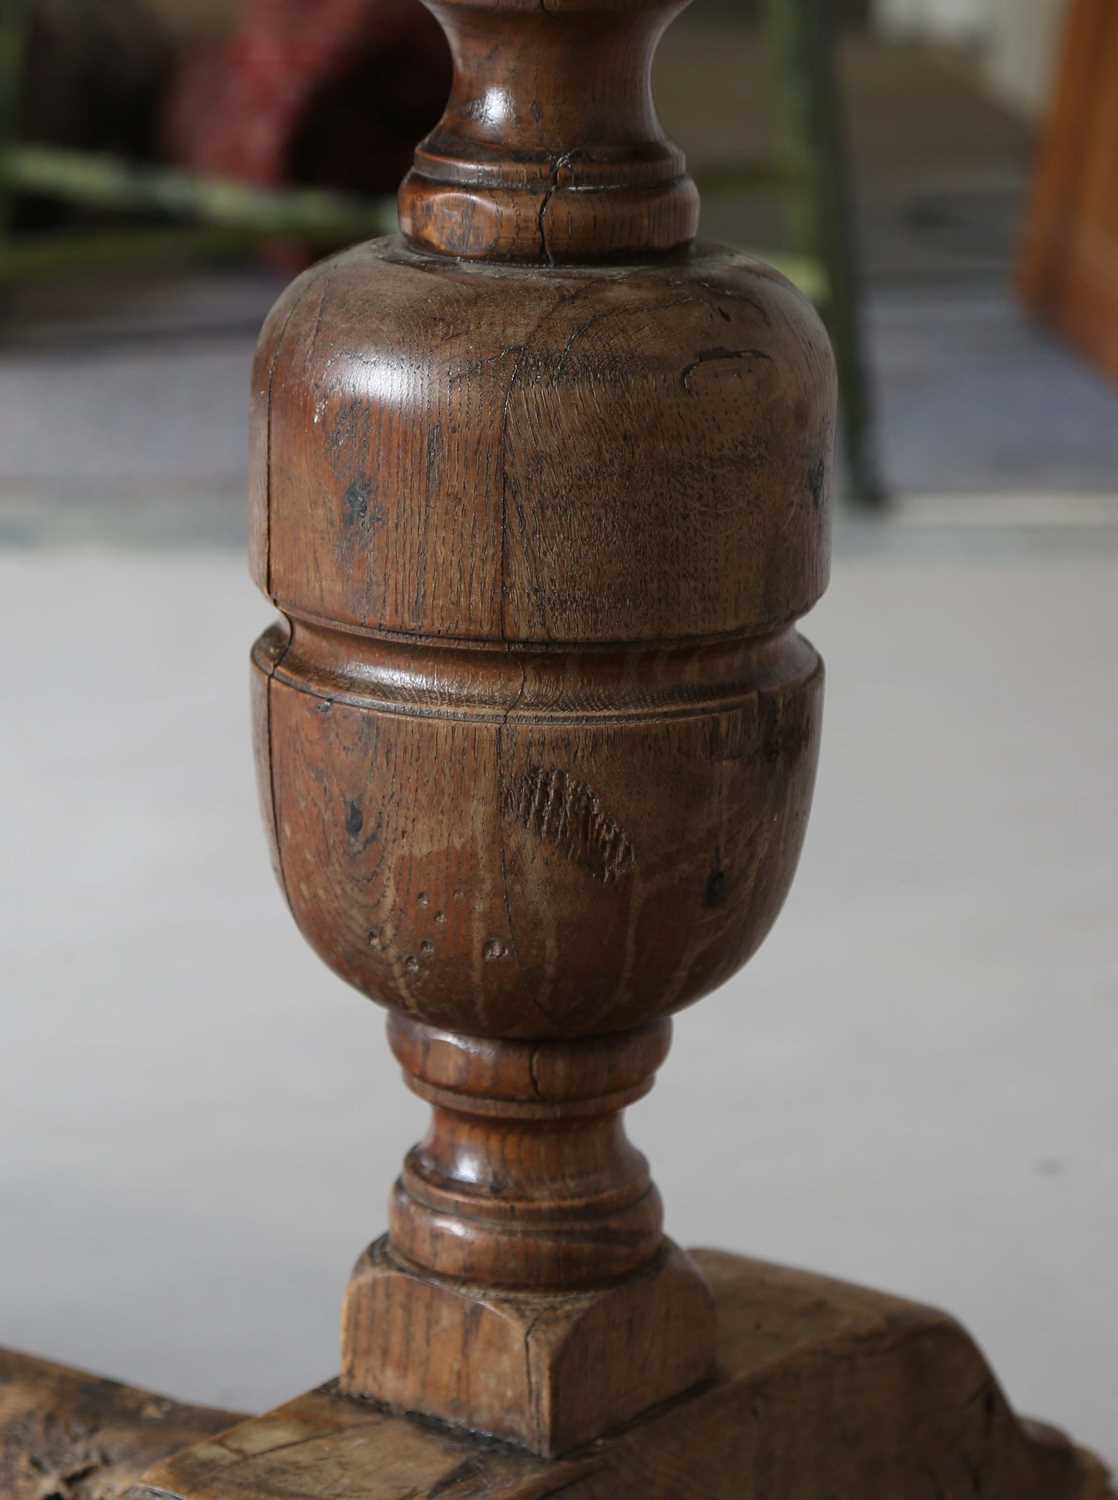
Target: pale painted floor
<point>914,1086</point>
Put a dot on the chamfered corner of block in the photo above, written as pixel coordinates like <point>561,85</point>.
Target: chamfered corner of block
<point>550,1371</point>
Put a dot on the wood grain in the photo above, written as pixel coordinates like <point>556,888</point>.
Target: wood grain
<point>556,154</point>
<point>525,1287</point>
<point>449,856</point>
<point>536,1368</point>
<point>475,455</point>
<point>540,489</point>
<point>822,1389</point>
<point>526,1178</point>
<point>69,1435</point>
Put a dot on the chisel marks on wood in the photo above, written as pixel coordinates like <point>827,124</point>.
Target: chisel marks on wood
<point>568,815</point>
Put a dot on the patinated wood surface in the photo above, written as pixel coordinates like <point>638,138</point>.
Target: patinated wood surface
<point>526,1285</point>
<point>554,151</point>
<point>69,1435</point>
<point>822,1389</point>
<point>541,489</point>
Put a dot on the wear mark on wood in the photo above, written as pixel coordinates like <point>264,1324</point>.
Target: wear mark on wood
<point>358,510</point>
<point>71,1466</point>
<point>465,1478</point>
<point>727,292</point>
<point>568,814</point>
<point>786,731</point>
<point>645,310</point>
<point>817,482</point>
<point>711,356</point>
<point>717,888</point>
<point>360,841</point>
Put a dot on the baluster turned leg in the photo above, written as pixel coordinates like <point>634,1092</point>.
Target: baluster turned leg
<point>541,488</point>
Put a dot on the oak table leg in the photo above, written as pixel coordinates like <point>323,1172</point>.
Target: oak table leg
<point>540,489</point>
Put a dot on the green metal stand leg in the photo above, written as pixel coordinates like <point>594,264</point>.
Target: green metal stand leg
<point>819,206</point>
<point>15,23</point>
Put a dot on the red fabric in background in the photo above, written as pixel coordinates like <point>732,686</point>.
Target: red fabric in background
<point>332,93</point>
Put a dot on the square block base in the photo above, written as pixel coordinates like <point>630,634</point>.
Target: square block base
<point>822,1389</point>
<point>534,1369</point>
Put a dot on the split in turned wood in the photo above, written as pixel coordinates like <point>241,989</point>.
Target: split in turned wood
<point>550,148</point>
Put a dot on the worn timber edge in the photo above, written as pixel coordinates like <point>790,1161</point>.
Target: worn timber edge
<point>823,1388</point>
<point>69,1435</point>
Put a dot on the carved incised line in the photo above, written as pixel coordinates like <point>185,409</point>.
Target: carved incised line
<point>617,685</point>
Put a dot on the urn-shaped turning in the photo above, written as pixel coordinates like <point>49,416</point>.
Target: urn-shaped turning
<point>539,733</point>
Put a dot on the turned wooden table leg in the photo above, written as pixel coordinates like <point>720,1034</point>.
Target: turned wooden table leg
<point>525,1284</point>
<point>541,488</point>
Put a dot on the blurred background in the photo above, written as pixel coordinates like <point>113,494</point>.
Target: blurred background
<point>914,1083</point>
